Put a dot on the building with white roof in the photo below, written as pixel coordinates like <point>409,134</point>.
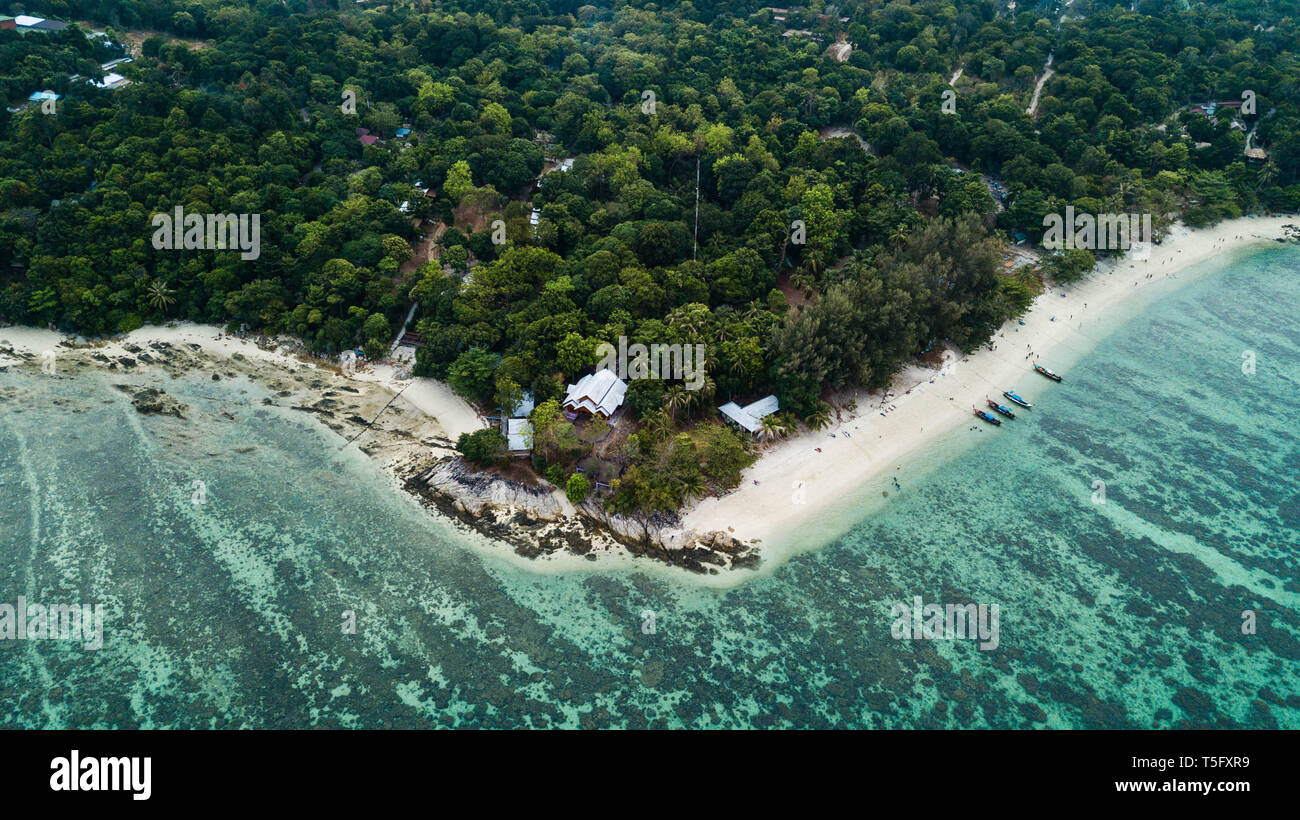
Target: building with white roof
<point>525,405</point>
<point>111,81</point>
<point>596,394</point>
<point>519,436</point>
<point>750,417</point>
<point>516,427</point>
<point>26,23</point>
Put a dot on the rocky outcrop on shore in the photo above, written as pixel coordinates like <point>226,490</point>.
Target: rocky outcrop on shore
<point>533,520</point>
<point>475,491</point>
<point>664,538</point>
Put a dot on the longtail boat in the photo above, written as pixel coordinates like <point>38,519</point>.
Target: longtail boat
<point>1016,398</point>
<point>1006,411</point>
<point>1049,374</point>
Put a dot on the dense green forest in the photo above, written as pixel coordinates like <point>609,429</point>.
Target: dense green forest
<point>241,107</point>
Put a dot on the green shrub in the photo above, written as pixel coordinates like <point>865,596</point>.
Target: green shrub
<point>483,447</point>
<point>577,488</point>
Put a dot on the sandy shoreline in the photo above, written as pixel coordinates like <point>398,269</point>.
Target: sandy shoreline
<point>784,499</point>
<point>797,485</point>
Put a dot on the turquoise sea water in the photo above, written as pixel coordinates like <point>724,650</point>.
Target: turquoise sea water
<point>1126,613</point>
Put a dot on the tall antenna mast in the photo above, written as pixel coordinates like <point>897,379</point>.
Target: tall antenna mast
<point>696,249</point>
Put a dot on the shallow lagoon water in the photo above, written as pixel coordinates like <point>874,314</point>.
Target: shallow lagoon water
<point>1126,613</point>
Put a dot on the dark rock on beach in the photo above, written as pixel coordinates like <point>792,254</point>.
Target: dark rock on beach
<point>152,401</point>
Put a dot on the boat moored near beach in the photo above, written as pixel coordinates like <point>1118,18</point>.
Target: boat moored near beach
<point>1048,373</point>
<point>994,420</point>
<point>1016,398</point>
<point>1004,410</point>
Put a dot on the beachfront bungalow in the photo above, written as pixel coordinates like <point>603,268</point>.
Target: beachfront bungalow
<point>516,427</point>
<point>519,437</point>
<point>596,394</point>
<point>750,417</point>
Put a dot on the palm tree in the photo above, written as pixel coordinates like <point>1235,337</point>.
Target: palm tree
<point>160,296</point>
<point>813,261</point>
<point>742,367</point>
<point>771,428</point>
<point>899,235</point>
<point>710,362</point>
<point>708,389</point>
<point>656,423</point>
<point>692,402</point>
<point>698,399</point>
<point>933,173</point>
<point>754,310</point>
<point>692,485</point>
<point>1125,187</point>
<point>675,399</point>
<point>661,424</point>
<point>691,323</point>
<point>1267,174</point>
<point>820,417</point>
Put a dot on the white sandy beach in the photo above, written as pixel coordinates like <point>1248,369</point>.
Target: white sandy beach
<point>796,484</point>
<point>433,398</point>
